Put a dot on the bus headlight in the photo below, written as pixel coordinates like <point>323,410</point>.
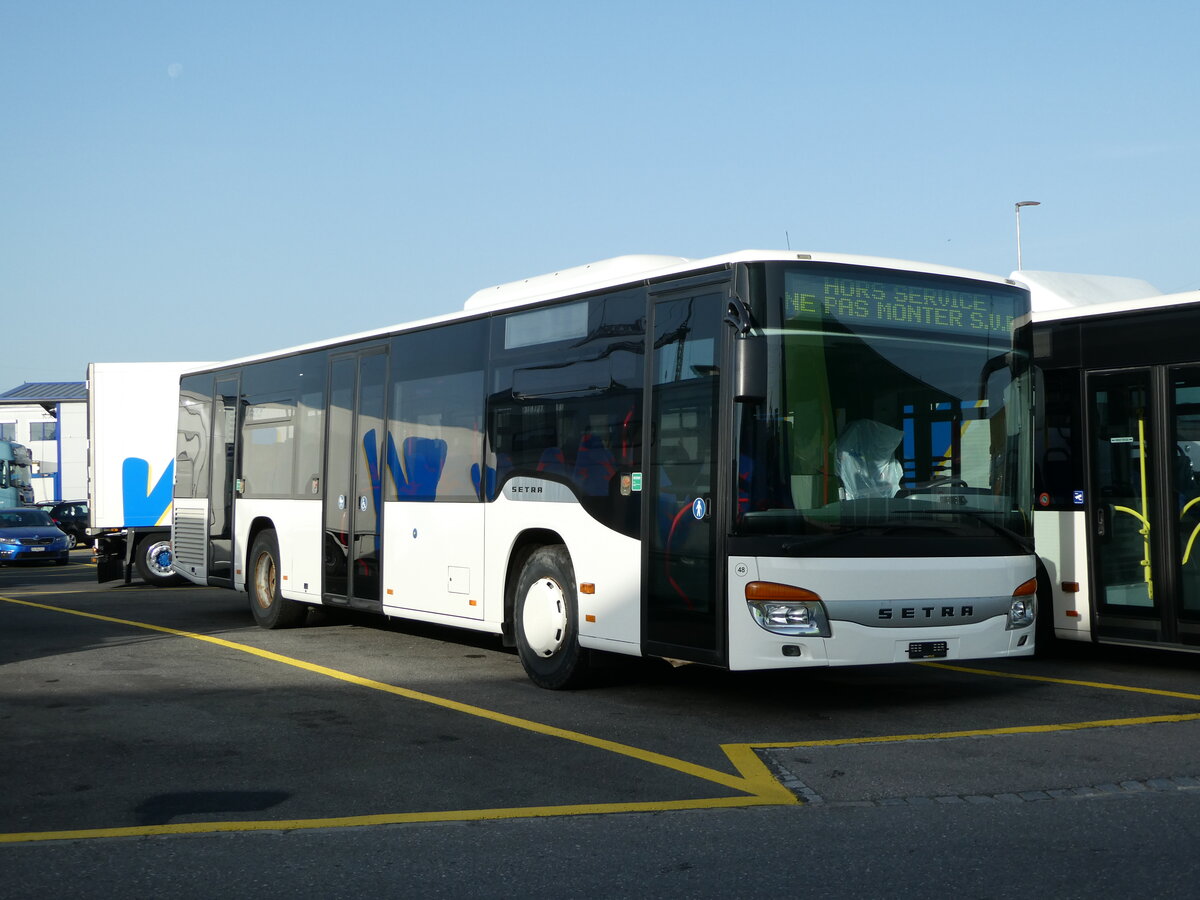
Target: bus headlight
<point>1023,611</point>
<point>784,609</point>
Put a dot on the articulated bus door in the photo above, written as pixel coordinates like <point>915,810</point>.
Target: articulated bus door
<point>223,464</point>
<point>684,505</point>
<point>1144,447</point>
<point>353,504</point>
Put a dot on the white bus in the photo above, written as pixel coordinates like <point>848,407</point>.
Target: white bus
<point>1117,485</point>
<point>760,460</point>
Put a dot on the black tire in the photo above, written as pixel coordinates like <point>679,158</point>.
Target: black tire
<point>546,620</point>
<point>152,557</point>
<point>270,608</point>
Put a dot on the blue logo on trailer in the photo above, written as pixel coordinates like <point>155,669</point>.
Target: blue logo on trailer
<point>145,504</point>
<point>1078,497</point>
<point>698,508</point>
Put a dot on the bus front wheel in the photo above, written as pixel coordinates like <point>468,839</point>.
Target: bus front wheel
<point>271,609</point>
<point>546,612</point>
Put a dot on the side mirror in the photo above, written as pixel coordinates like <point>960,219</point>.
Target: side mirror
<point>750,368</point>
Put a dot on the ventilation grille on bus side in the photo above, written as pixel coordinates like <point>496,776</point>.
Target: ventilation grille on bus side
<point>189,535</point>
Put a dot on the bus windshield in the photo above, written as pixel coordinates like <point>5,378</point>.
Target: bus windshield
<point>896,404</point>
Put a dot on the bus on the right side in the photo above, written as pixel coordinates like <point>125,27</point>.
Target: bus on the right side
<point>1117,461</point>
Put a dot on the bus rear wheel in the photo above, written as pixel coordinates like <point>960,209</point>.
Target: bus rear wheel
<point>546,613</point>
<point>270,608</point>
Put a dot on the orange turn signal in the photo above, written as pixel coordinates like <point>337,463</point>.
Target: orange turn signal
<point>769,590</point>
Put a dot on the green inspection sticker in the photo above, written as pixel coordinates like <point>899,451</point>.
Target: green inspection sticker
<point>637,481</point>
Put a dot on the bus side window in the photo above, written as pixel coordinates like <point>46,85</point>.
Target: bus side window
<point>435,443</point>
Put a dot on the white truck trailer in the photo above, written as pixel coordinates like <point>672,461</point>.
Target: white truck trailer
<point>131,467</point>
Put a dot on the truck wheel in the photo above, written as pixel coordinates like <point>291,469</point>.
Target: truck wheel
<point>271,609</point>
<point>546,614</point>
<point>152,557</point>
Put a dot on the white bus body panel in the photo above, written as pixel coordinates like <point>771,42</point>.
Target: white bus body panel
<point>433,558</point>
<point>297,525</point>
<point>925,581</point>
<point>1062,544</point>
<point>609,619</point>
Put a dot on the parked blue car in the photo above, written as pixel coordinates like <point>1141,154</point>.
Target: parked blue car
<point>30,534</point>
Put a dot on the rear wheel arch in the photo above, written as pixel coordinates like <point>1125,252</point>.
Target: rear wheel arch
<point>263,582</point>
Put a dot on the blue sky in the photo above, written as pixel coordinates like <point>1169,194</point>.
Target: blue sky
<point>207,180</point>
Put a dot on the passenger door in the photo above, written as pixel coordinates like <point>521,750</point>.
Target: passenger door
<point>353,504</point>
<point>224,466</point>
<point>1144,444</point>
<point>684,507</point>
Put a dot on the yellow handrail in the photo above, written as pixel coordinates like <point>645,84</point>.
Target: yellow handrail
<point>1188,550</point>
<point>1144,531</point>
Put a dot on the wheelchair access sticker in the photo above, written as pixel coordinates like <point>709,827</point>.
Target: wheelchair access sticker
<point>699,508</point>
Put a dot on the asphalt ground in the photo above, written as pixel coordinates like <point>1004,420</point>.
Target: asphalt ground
<point>131,715</point>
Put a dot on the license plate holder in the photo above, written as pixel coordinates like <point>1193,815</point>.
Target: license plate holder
<point>928,650</point>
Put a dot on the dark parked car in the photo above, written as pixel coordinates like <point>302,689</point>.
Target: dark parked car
<point>71,516</point>
<point>30,534</point>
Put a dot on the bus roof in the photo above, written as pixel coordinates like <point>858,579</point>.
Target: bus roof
<point>607,274</point>
<point>1117,307</point>
<point>1069,290</point>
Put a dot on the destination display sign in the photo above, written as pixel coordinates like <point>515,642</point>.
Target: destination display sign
<point>939,305</point>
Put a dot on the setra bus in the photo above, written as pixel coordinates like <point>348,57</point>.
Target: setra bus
<point>759,460</point>
<point>1117,475</point>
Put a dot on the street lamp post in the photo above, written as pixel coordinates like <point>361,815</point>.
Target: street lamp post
<point>1018,206</point>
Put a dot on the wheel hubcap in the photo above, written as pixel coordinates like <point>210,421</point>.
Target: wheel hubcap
<point>544,617</point>
<point>158,556</point>
<point>264,580</point>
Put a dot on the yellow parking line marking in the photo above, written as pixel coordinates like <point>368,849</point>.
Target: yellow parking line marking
<point>467,815</point>
<point>736,782</point>
<point>54,591</point>
<point>984,732</point>
<point>1017,729</point>
<point>1045,678</point>
<point>753,777</point>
